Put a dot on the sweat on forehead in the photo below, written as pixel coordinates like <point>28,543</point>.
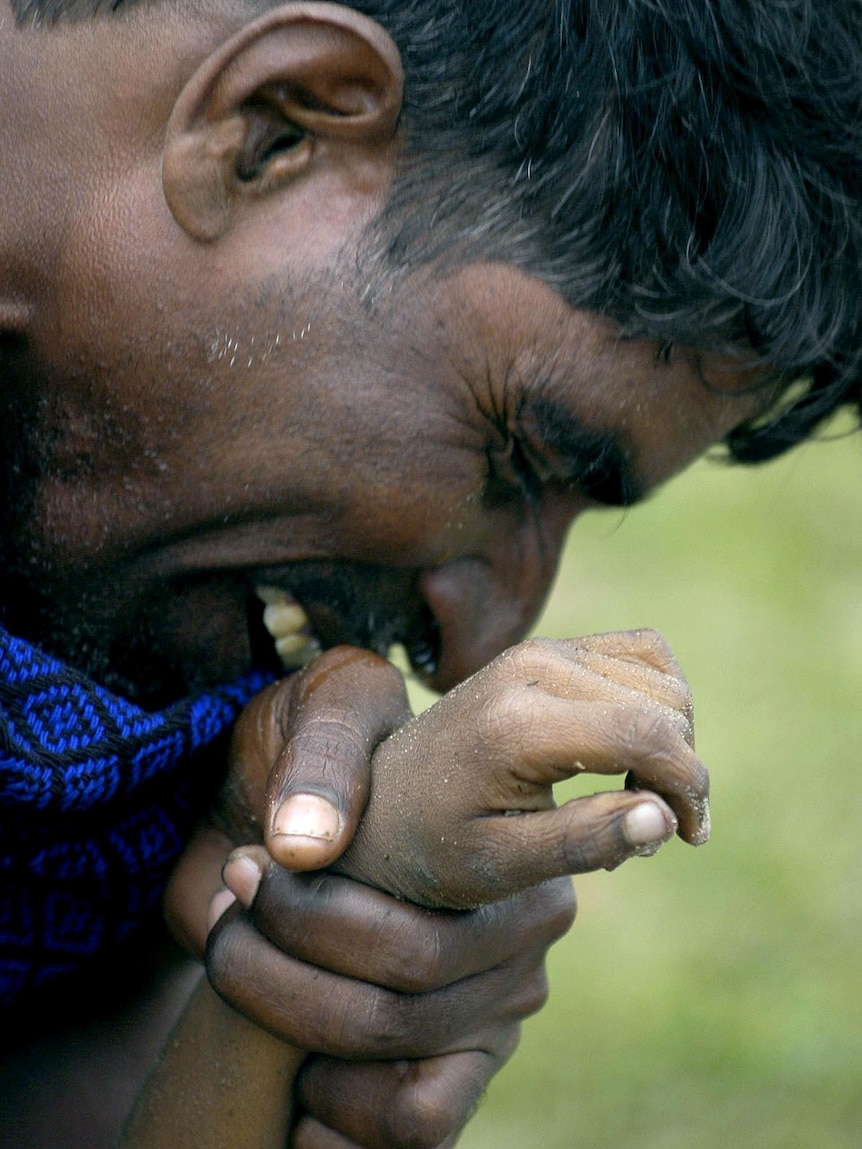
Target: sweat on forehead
<point>690,167</point>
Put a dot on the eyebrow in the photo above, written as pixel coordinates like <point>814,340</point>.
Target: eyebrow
<point>591,459</point>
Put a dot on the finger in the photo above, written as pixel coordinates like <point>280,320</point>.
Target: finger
<point>623,668</point>
<point>359,932</point>
<point>644,646</point>
<point>196,879</point>
<point>338,710</point>
<point>586,834</point>
<point>322,1012</point>
<point>387,1105</point>
<point>553,738</point>
<point>309,1133</point>
<point>632,682</point>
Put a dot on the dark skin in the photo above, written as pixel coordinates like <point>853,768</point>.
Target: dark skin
<point>183,276</point>
<point>618,702</point>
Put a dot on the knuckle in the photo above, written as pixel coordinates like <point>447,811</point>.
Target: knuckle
<point>685,708</point>
<point>538,650</point>
<point>384,1026</point>
<point>326,735</point>
<point>677,693</point>
<point>677,697</point>
<point>584,853</point>
<point>365,1027</point>
<point>653,641</point>
<point>686,698</point>
<point>533,994</point>
<point>681,723</point>
<point>649,733</point>
<point>654,648</point>
<point>412,956</point>
<point>528,659</point>
<point>506,717</point>
<point>563,908</point>
<point>421,1117</point>
<point>660,750</point>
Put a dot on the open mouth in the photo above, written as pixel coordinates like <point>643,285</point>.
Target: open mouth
<point>211,627</point>
<point>298,610</point>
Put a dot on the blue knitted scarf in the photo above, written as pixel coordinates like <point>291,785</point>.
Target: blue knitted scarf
<point>97,798</point>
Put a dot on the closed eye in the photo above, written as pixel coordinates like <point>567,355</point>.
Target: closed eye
<point>512,474</point>
<point>589,460</point>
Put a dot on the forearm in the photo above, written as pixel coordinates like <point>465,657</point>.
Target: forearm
<point>221,1083</point>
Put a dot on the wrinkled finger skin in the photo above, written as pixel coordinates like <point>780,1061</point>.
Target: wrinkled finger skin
<point>439,829</point>
<point>364,933</point>
<point>312,733</point>
<point>408,1012</point>
<point>349,971</point>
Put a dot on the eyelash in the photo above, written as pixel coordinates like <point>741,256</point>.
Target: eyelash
<point>512,471</point>
<point>517,473</point>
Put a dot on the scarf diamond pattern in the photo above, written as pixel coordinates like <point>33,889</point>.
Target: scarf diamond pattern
<point>97,797</point>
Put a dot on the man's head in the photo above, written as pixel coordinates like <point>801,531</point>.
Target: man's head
<point>369,304</point>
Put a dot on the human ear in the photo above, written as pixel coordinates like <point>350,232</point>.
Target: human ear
<point>308,90</point>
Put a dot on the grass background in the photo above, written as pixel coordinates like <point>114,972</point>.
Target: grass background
<point>714,997</point>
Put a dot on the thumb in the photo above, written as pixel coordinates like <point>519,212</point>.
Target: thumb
<point>337,712</point>
<point>522,850</point>
<point>599,832</point>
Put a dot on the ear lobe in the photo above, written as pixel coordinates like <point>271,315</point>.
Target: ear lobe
<point>304,82</point>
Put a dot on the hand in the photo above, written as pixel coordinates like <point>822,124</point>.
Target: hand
<point>410,1012</point>
<point>461,810</point>
<point>298,777</point>
<point>344,706</point>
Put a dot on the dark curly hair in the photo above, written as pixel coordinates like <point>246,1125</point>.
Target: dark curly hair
<point>692,168</point>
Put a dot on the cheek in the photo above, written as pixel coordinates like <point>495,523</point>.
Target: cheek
<point>413,503</point>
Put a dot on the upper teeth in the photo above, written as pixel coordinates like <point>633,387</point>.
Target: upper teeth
<point>283,619</point>
<point>286,621</point>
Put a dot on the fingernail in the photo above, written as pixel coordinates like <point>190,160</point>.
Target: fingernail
<point>307,816</point>
<point>646,825</point>
<point>242,877</point>
<point>220,902</point>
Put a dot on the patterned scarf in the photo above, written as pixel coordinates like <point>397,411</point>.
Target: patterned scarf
<point>97,798</point>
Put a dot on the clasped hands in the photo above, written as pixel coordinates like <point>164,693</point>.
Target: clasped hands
<point>407,956</point>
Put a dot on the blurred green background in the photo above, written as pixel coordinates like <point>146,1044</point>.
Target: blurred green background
<point>714,997</point>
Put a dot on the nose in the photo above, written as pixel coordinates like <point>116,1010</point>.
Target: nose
<point>487,601</point>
